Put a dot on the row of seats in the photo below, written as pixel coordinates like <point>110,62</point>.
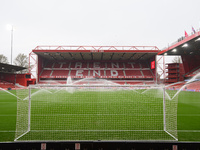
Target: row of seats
<point>121,82</point>
<point>96,73</point>
<point>193,73</point>
<point>95,65</point>
<point>5,84</point>
<point>194,86</point>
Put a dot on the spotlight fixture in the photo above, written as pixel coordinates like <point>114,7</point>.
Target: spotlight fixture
<point>185,45</point>
<point>174,50</point>
<point>197,39</point>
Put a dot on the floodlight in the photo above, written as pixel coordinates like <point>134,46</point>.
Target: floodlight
<point>9,27</point>
<point>197,39</point>
<point>185,45</point>
<point>174,50</point>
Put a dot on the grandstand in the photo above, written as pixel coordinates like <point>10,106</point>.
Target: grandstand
<point>6,85</point>
<point>10,76</point>
<point>121,64</point>
<point>189,50</point>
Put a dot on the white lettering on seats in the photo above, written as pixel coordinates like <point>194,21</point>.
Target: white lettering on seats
<point>78,65</point>
<point>96,64</point>
<point>96,72</point>
<point>115,65</point>
<point>114,73</point>
<point>79,72</point>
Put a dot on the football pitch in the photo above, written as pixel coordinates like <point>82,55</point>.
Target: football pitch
<point>116,115</point>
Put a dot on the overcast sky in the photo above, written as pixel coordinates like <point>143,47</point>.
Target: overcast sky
<point>95,22</point>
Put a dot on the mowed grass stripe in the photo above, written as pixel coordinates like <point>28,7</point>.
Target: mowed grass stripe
<point>188,116</point>
<point>8,110</point>
<point>188,105</point>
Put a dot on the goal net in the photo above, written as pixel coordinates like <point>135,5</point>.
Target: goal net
<point>90,113</point>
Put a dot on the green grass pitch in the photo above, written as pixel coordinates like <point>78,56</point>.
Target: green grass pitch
<point>188,118</point>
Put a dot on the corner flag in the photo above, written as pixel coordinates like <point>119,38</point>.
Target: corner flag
<point>193,30</point>
<point>186,35</point>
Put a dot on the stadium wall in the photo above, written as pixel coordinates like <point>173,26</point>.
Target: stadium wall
<point>25,79</point>
<point>22,79</point>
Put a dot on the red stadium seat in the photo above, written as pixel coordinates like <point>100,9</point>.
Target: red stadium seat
<point>91,69</point>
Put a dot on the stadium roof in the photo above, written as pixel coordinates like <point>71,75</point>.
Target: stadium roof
<point>184,46</point>
<point>96,53</point>
<point>6,68</point>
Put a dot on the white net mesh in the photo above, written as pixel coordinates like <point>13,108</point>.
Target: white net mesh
<point>22,112</point>
<point>96,113</point>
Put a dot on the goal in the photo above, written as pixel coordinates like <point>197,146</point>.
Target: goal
<point>96,112</point>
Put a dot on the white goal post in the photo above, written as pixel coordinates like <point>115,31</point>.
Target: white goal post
<point>96,112</point>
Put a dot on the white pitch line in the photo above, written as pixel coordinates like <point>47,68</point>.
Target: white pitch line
<point>8,115</point>
<point>98,115</point>
<point>8,102</point>
<point>188,130</point>
<point>6,131</point>
<point>132,102</point>
<point>189,115</point>
<point>95,130</point>
<point>99,130</point>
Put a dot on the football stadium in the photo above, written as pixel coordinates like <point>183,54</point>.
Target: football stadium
<point>84,96</point>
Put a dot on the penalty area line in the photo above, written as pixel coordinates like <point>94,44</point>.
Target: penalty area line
<point>188,130</point>
<point>95,130</point>
<point>6,131</point>
<point>98,130</point>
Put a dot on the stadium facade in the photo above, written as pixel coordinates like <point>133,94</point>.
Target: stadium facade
<point>121,64</point>
<point>10,75</point>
